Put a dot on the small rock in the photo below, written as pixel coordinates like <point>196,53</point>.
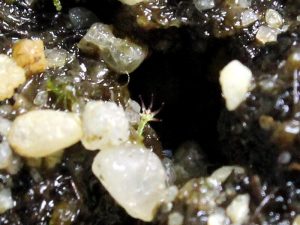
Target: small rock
<point>6,201</point>
<point>135,178</point>
<point>273,18</point>
<point>202,5</point>
<point>243,3</point>
<point>121,55</point>
<point>223,173</point>
<point>56,57</point>
<point>104,124</point>
<point>175,218</point>
<point>30,55</point>
<point>217,218</point>
<point>235,80</point>
<point>297,220</point>
<point>132,2</point>
<point>240,3</point>
<point>267,34</point>
<point>4,127</point>
<point>132,112</point>
<point>248,17</point>
<point>81,17</point>
<point>15,165</point>
<point>5,155</point>
<point>11,77</point>
<point>238,209</point>
<point>41,133</point>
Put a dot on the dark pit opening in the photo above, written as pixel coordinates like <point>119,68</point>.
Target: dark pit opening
<point>185,81</point>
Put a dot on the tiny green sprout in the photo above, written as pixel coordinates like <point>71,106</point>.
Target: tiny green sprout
<point>64,92</point>
<point>57,5</point>
<point>147,115</point>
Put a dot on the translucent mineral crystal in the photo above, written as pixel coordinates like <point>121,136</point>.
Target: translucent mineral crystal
<point>248,17</point>
<point>266,34</point>
<point>6,201</point>
<point>273,18</point>
<point>135,178</point>
<point>204,4</point>
<point>122,55</point>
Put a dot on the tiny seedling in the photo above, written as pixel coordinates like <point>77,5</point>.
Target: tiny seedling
<point>146,116</point>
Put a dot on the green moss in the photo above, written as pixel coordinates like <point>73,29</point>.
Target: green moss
<point>57,5</point>
<point>64,93</point>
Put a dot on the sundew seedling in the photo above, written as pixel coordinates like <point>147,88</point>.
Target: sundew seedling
<point>147,115</point>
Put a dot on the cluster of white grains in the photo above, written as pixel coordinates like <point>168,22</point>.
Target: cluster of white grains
<point>103,126</point>
<point>121,163</point>
<point>237,212</point>
<point>273,24</point>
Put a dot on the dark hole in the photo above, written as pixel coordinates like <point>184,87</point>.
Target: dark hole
<point>184,80</point>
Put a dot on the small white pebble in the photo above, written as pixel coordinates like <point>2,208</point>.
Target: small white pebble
<point>43,132</point>
<point>248,17</point>
<point>284,28</point>
<point>223,173</point>
<point>241,3</point>
<point>104,124</point>
<point>273,18</point>
<point>15,165</point>
<point>133,111</point>
<point>132,2</point>
<point>267,34</point>
<point>175,218</point>
<point>11,77</point>
<point>235,80</point>
<point>6,201</point>
<point>297,220</point>
<point>135,178</point>
<point>5,155</point>
<point>204,4</point>
<point>6,109</point>
<point>217,218</point>
<point>171,193</point>
<point>41,98</point>
<point>238,209</point>
<point>30,2</point>
<point>4,127</point>
<point>56,57</point>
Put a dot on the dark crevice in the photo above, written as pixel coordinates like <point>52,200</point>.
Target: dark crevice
<point>185,80</point>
